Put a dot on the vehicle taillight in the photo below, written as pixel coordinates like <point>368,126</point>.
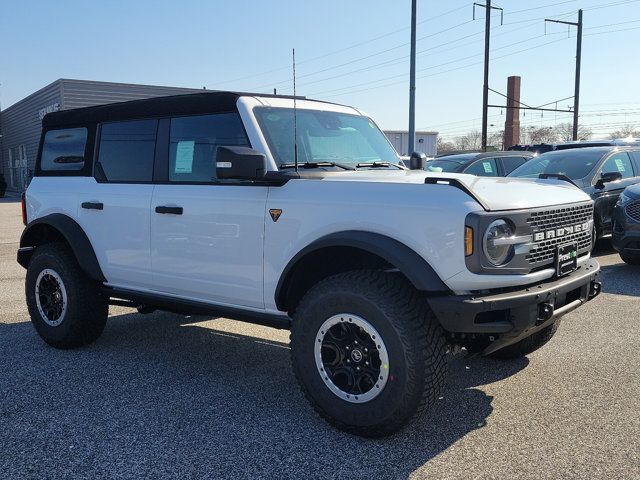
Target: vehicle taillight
<point>24,209</point>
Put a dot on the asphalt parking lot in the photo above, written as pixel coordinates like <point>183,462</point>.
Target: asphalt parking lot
<point>169,396</point>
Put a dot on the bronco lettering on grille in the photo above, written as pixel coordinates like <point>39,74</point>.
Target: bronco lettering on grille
<point>561,232</point>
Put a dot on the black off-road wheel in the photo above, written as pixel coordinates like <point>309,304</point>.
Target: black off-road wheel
<point>527,345</point>
<point>67,308</point>
<point>367,352</point>
<point>630,259</point>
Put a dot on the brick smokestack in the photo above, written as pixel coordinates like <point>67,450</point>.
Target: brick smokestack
<point>512,123</point>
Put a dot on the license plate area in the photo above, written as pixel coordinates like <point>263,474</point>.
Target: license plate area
<point>566,259</point>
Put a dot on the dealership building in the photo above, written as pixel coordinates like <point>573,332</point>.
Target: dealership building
<point>20,124</point>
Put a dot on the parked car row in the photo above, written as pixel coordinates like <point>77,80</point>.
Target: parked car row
<point>548,147</point>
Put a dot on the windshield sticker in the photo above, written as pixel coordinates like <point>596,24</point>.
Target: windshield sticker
<point>487,167</point>
<point>620,165</point>
<point>184,156</point>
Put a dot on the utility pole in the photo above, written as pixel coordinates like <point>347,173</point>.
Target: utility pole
<point>412,82</point>
<point>576,95</point>
<point>485,89</point>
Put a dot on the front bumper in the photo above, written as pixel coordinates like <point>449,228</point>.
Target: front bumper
<point>507,317</point>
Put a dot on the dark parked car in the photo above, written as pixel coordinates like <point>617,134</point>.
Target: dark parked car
<point>626,225</point>
<point>489,164</point>
<point>548,147</point>
<point>602,172</point>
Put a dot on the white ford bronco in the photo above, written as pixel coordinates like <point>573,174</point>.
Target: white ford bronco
<point>297,214</point>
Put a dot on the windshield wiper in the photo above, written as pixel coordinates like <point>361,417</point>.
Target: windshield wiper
<point>317,165</point>
<point>558,176</point>
<point>378,165</point>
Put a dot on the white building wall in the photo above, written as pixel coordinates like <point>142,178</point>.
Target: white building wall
<point>426,142</point>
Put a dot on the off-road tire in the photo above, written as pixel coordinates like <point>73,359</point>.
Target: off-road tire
<point>630,259</point>
<point>86,308</point>
<point>413,337</point>
<point>527,345</point>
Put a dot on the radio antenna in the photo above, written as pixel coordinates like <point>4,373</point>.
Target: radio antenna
<point>295,117</point>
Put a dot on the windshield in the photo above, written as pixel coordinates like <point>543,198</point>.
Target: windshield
<point>324,137</point>
<point>442,166</point>
<point>575,164</point>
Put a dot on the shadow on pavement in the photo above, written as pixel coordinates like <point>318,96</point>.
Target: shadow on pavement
<point>621,279</point>
<point>159,397</point>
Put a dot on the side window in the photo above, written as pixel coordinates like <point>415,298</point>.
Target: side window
<point>618,162</point>
<point>485,167</point>
<point>126,151</point>
<point>511,163</point>
<point>63,149</point>
<point>194,141</point>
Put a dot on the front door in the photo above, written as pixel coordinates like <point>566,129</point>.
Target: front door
<point>207,235</point>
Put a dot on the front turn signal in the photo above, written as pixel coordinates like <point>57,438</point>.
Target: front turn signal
<point>468,241</point>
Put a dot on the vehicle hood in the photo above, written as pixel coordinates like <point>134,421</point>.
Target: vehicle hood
<point>633,191</point>
<point>493,193</point>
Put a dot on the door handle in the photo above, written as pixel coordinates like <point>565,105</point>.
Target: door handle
<point>92,205</point>
<point>172,210</point>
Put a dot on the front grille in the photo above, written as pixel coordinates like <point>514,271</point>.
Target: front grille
<point>633,210</point>
<point>544,251</point>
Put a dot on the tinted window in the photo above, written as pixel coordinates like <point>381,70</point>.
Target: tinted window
<point>618,162</point>
<point>443,165</point>
<point>323,136</point>
<point>483,168</point>
<point>511,163</point>
<point>194,141</point>
<point>575,164</point>
<point>126,151</point>
<point>64,149</point>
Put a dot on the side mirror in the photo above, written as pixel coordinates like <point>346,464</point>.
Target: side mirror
<point>608,177</point>
<point>240,163</point>
<point>416,161</point>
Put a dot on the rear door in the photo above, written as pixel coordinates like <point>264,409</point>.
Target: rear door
<point>206,234</point>
<point>114,207</point>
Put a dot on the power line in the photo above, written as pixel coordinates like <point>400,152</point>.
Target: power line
<point>404,57</point>
<point>349,47</point>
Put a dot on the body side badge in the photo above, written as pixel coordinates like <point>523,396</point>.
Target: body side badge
<point>275,213</point>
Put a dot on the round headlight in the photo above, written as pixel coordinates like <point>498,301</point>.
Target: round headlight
<point>497,252</point>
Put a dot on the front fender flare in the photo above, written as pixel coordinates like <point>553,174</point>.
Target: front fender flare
<point>71,232</point>
<point>406,260</point>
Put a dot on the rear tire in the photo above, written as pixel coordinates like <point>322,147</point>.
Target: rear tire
<point>362,305</point>
<point>527,345</point>
<point>630,259</point>
<point>67,308</point>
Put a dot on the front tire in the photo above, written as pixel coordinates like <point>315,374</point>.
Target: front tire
<point>367,352</point>
<point>527,345</point>
<point>67,308</point>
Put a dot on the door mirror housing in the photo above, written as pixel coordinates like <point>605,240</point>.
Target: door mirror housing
<point>608,177</point>
<point>417,160</point>
<point>241,163</point>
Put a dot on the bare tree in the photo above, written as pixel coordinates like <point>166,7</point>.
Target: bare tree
<point>496,140</point>
<point>445,146</point>
<point>626,131</point>
<point>543,135</point>
<point>565,132</point>
<point>470,141</point>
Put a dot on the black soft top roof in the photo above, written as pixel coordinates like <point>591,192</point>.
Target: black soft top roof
<point>187,104</point>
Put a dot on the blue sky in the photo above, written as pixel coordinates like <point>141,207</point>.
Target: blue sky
<point>353,52</point>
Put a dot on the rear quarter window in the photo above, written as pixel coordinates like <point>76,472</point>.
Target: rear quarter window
<point>64,150</point>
